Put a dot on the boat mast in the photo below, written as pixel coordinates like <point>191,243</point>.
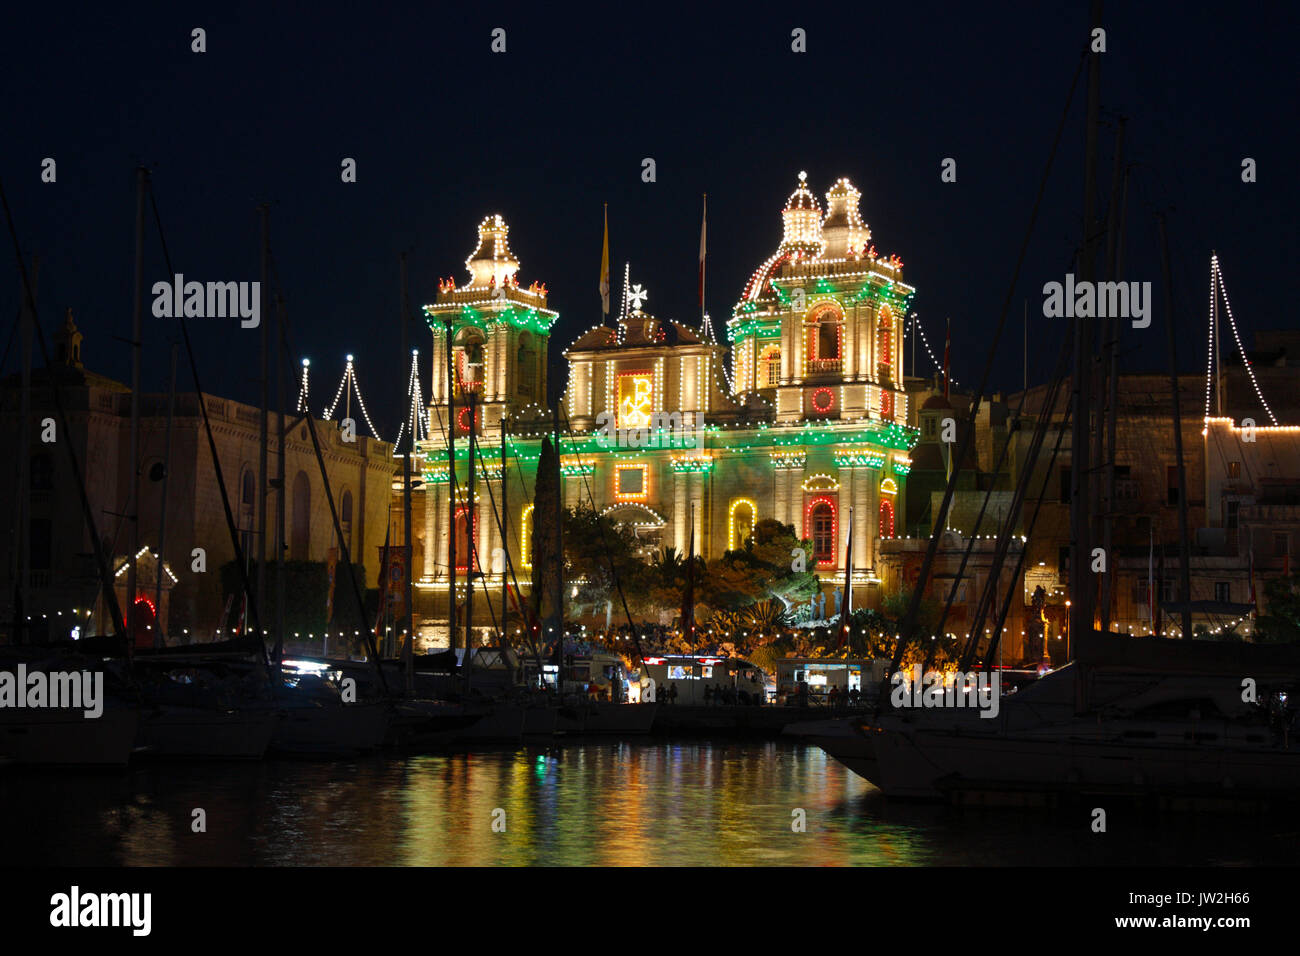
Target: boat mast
<point>21,563</point>
<point>1183,535</point>
<point>281,348</point>
<point>558,576</point>
<point>471,553</point>
<point>1219,403</point>
<point>162,507</point>
<point>408,651</point>
<point>1082,586</point>
<point>1109,371</point>
<point>451,489</point>
<point>133,512</point>
<point>264,211</point>
<point>505,525</point>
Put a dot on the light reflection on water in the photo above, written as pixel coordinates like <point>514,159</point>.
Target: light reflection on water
<point>593,804</point>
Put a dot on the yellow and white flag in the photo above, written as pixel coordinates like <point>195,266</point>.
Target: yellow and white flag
<point>604,267</point>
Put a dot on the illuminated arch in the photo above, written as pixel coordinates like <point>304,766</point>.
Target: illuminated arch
<point>820,482</point>
<point>886,518</point>
<point>526,536</point>
<point>734,540</point>
<point>885,360</point>
<point>821,525</point>
<point>769,367</point>
<point>825,334</point>
<point>888,486</point>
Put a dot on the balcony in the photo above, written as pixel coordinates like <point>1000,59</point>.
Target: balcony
<point>827,366</point>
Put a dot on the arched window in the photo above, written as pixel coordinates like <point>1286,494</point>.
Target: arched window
<point>824,339</point>
<point>740,522</point>
<point>769,367</point>
<point>526,365</point>
<point>526,537</point>
<point>345,519</point>
<point>300,540</point>
<point>469,360</point>
<point>821,529</point>
<point>886,519</point>
<point>247,489</point>
<point>885,347</point>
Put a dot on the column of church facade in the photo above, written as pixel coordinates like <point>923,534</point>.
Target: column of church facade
<point>680,499</point>
<point>863,518</point>
<point>442,513</point>
<point>430,531</point>
<point>489,536</point>
<point>697,513</point>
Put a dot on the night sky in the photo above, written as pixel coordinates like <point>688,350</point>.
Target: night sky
<point>445,132</point>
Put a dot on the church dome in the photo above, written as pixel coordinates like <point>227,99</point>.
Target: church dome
<point>844,231</point>
<point>492,263</point>
<point>802,217</point>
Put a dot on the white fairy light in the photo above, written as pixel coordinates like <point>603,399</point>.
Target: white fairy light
<point>1218,271</point>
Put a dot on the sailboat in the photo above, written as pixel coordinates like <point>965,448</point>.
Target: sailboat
<point>1129,715</point>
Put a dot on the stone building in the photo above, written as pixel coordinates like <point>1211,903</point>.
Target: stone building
<point>1242,487</point>
<point>62,574</point>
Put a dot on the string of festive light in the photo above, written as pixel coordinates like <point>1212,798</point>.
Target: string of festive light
<point>417,414</point>
<point>1209,346</point>
<point>350,382</point>
<point>914,318</point>
<point>303,387</point>
<point>1218,272</point>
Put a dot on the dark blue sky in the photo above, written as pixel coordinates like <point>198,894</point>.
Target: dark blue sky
<point>445,132</point>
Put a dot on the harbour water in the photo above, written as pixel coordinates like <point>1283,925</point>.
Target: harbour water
<point>656,802</point>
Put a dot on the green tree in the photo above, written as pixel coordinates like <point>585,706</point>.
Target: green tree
<point>768,566</point>
<point>1282,623</point>
<point>600,556</point>
<point>895,605</point>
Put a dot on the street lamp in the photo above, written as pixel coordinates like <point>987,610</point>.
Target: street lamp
<point>1067,630</point>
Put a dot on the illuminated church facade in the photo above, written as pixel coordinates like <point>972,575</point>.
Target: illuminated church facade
<point>801,417</point>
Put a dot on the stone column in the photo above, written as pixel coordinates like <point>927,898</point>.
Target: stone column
<point>486,526</point>
<point>787,347</point>
<point>443,516</point>
<point>430,531</point>
<point>697,514</point>
<point>863,518</point>
<point>679,511</point>
<point>844,500</point>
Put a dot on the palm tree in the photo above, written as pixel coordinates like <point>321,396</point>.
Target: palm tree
<point>668,564</point>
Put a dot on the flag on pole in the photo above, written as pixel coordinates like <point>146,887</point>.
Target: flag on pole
<point>604,267</point>
<point>688,593</point>
<point>846,605</point>
<point>704,224</point>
